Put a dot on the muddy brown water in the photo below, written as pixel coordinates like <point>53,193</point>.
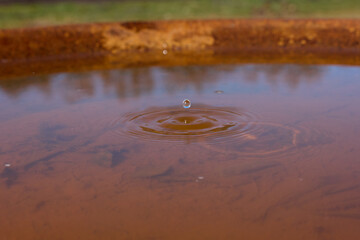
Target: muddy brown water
<point>266,151</point>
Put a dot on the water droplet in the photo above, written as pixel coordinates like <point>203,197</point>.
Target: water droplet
<point>7,165</point>
<point>165,52</point>
<point>186,103</point>
<point>219,92</point>
<point>201,178</point>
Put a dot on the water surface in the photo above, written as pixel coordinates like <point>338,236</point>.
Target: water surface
<point>264,152</point>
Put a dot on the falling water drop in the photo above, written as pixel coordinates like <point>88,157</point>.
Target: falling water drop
<point>186,103</point>
<point>165,52</point>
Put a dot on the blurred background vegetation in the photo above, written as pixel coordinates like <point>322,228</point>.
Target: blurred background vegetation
<point>29,13</point>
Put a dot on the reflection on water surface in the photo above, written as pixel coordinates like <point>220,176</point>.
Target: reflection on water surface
<point>264,151</point>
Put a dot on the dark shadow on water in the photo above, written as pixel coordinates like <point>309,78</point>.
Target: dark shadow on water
<point>10,175</point>
<point>118,157</point>
<point>290,75</point>
<point>49,134</point>
<point>137,82</point>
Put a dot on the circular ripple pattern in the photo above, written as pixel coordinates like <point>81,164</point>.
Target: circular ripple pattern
<point>268,139</point>
<point>197,123</point>
<point>223,130</point>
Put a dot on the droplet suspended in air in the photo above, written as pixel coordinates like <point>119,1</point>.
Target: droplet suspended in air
<point>186,103</point>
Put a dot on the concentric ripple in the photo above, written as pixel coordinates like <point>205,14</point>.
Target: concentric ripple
<point>223,130</point>
<point>193,124</point>
<point>268,139</point>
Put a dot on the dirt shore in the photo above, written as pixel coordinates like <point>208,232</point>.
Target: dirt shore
<point>129,44</point>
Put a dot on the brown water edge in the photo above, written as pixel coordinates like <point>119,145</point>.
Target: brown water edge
<point>173,43</point>
<point>77,174</point>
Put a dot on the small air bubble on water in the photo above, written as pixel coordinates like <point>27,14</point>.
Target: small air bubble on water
<point>7,165</point>
<point>165,52</point>
<point>219,92</point>
<point>186,103</point>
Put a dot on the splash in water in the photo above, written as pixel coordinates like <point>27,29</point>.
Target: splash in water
<point>186,103</point>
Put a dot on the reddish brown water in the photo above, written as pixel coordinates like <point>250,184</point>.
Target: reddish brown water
<point>264,152</point>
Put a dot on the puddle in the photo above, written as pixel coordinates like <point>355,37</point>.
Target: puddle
<point>261,151</point>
